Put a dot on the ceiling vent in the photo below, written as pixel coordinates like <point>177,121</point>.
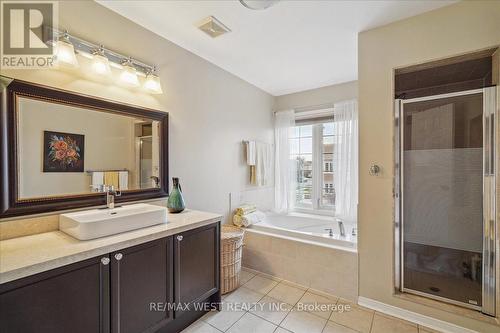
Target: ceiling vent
<point>213,27</point>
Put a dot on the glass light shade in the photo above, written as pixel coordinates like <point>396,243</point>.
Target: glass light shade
<point>129,75</point>
<point>65,54</point>
<point>100,64</point>
<point>152,84</point>
<point>258,4</point>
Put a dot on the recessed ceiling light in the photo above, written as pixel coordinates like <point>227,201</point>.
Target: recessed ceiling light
<point>213,27</point>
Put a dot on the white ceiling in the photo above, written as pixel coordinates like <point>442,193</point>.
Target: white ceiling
<point>290,47</point>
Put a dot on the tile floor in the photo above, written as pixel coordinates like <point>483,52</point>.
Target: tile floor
<point>265,304</point>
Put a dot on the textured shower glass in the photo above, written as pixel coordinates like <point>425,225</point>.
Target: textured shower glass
<point>442,197</point>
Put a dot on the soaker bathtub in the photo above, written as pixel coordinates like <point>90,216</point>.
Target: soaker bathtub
<point>309,228</point>
<point>297,248</point>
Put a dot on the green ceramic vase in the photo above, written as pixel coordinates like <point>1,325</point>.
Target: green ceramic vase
<point>175,202</point>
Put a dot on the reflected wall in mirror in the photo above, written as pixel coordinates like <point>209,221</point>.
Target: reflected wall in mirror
<point>64,147</point>
<point>121,151</point>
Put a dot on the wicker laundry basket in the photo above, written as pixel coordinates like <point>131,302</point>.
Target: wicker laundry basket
<point>230,257</point>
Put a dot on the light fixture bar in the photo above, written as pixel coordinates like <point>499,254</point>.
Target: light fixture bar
<point>85,47</point>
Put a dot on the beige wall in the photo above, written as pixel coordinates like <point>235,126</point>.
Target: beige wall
<point>211,111</point>
<point>319,96</point>
<point>460,28</point>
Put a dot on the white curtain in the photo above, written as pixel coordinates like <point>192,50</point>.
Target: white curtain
<point>345,160</point>
<point>284,172</point>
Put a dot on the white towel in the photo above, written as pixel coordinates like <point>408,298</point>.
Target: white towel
<point>245,209</point>
<point>97,180</point>
<point>251,152</point>
<point>123,180</point>
<point>262,164</point>
<point>248,219</point>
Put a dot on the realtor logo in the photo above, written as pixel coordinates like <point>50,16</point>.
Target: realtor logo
<point>26,26</point>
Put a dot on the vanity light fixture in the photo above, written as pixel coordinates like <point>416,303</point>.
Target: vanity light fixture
<point>100,63</point>
<point>152,83</point>
<point>103,61</point>
<point>65,51</point>
<point>129,73</point>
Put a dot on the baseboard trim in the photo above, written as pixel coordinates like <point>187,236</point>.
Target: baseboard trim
<point>414,317</point>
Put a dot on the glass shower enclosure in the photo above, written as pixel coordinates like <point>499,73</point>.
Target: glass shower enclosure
<point>445,197</point>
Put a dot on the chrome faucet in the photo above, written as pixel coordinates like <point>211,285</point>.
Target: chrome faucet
<point>156,180</point>
<point>341,227</point>
<point>111,193</point>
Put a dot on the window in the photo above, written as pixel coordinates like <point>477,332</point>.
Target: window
<point>311,147</point>
<point>301,150</point>
<point>327,191</point>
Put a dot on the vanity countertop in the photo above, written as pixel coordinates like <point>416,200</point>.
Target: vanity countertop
<point>28,255</point>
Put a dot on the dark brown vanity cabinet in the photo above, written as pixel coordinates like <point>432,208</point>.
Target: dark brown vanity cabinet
<point>196,265</point>
<point>141,286</point>
<point>127,291</point>
<point>73,298</point>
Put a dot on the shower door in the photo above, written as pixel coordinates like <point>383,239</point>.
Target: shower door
<point>145,161</point>
<point>445,214</point>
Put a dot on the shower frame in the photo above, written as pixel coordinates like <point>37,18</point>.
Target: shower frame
<point>490,144</point>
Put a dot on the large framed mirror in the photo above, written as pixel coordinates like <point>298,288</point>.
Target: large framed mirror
<point>60,150</point>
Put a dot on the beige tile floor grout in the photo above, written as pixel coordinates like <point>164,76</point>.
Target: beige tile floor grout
<point>293,305</point>
<point>261,282</point>
<point>373,319</point>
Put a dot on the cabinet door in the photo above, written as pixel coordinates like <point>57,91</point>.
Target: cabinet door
<point>196,257</point>
<point>73,298</point>
<point>141,287</point>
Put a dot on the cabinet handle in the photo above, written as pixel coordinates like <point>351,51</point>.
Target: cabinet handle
<point>105,260</point>
<point>118,256</point>
<point>179,238</point>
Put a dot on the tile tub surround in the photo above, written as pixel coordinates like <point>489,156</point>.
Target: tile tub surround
<point>289,313</point>
<point>28,255</point>
<point>331,270</point>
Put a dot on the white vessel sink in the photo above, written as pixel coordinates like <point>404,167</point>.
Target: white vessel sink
<point>104,222</point>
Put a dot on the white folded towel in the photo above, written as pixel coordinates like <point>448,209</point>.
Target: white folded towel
<point>248,219</point>
<point>251,153</point>
<point>123,180</point>
<point>97,180</point>
<point>245,209</point>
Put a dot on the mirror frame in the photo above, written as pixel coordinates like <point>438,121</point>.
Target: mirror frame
<point>10,204</point>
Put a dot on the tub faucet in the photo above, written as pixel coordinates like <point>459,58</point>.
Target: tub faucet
<point>341,227</point>
<point>330,231</point>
